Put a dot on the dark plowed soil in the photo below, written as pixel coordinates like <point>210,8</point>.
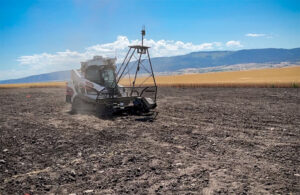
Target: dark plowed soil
<point>204,141</point>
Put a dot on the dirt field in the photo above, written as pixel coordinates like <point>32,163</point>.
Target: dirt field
<point>204,141</point>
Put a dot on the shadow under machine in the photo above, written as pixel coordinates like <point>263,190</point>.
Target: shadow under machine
<point>100,85</point>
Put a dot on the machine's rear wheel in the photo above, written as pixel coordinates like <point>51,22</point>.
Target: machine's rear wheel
<point>68,98</point>
<point>77,105</point>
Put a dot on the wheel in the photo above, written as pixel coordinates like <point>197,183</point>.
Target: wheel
<point>77,105</point>
<point>68,98</point>
<point>104,110</point>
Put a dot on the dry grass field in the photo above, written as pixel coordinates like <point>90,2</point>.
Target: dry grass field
<point>33,85</point>
<point>271,77</point>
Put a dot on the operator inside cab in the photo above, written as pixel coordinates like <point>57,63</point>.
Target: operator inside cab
<point>103,75</point>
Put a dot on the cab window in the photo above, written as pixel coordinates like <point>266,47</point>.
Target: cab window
<point>108,77</point>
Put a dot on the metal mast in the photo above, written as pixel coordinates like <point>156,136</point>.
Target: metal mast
<point>126,66</point>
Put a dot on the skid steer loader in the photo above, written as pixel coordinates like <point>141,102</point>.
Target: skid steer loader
<point>96,85</point>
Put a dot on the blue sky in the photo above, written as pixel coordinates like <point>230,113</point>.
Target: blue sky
<point>39,36</point>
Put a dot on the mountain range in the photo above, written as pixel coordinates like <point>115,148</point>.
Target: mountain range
<point>202,61</point>
<point>224,58</point>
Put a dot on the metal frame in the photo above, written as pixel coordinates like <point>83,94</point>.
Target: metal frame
<point>139,90</point>
<point>140,50</point>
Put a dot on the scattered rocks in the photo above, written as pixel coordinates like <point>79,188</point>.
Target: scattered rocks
<point>88,191</point>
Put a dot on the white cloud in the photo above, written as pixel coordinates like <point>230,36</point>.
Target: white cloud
<point>233,44</point>
<point>255,35</point>
<point>47,62</point>
<point>158,48</point>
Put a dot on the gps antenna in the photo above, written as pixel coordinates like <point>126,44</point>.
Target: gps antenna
<point>143,34</point>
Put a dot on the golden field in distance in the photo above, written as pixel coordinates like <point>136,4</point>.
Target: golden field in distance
<point>34,85</point>
<point>271,77</point>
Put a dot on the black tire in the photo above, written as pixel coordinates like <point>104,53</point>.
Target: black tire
<point>77,105</point>
<point>104,110</point>
<point>68,98</point>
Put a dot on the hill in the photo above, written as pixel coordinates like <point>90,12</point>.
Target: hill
<point>203,61</point>
<point>221,58</point>
<point>53,76</point>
